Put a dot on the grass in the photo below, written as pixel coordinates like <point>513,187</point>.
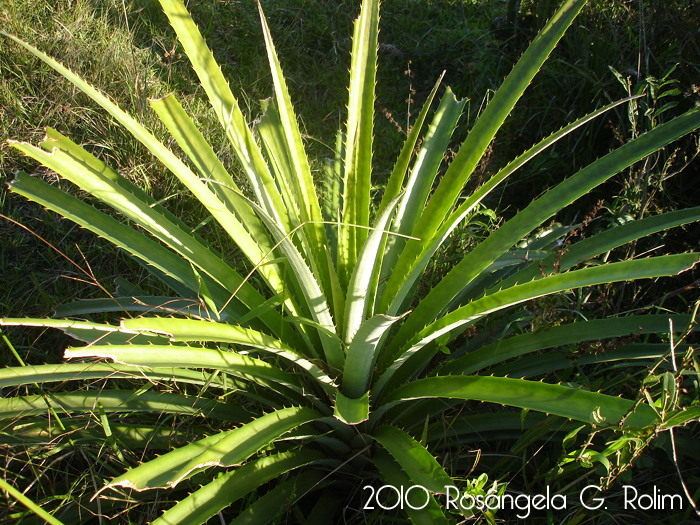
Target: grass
<point>127,50</point>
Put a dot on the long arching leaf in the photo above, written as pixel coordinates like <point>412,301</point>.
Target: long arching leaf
<point>414,459</point>
<point>410,266</point>
<point>225,449</point>
<point>298,178</point>
<point>563,335</point>
<point>358,139</point>
<point>125,401</point>
<point>573,403</point>
<point>535,214</point>
<point>471,151</point>
<point>228,111</point>
<point>204,503</point>
<point>186,330</point>
<point>454,322</point>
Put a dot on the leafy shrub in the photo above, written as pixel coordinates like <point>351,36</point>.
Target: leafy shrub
<point>311,366</point>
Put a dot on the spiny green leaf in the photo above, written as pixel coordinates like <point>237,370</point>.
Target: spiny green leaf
<point>601,243</point>
<point>633,355</point>
<point>147,304</point>
<point>457,320</point>
<point>357,299</point>
<point>351,410</point>
<point>161,356</point>
<point>358,139</point>
<point>414,459</point>
<point>125,401</point>
<point>473,148</point>
<point>566,334</point>
<point>26,375</point>
<point>535,214</point>
<point>184,330</point>
<point>316,301</point>
<point>251,237</point>
<point>228,111</point>
<point>420,505</point>
<point>427,162</point>
<point>298,178</point>
<point>206,502</point>
<point>410,266</point>
<point>362,354</point>
<point>572,403</point>
<point>224,449</point>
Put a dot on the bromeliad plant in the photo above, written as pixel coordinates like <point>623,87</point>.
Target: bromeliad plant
<point>315,361</point>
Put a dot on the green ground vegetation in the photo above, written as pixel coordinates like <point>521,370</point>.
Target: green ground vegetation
<point>128,50</point>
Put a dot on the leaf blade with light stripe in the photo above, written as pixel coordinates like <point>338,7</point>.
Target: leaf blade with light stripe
<point>225,449</point>
<point>572,403</point>
<point>206,502</point>
<point>414,459</point>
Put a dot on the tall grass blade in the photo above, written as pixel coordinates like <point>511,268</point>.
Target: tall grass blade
<point>12,492</point>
